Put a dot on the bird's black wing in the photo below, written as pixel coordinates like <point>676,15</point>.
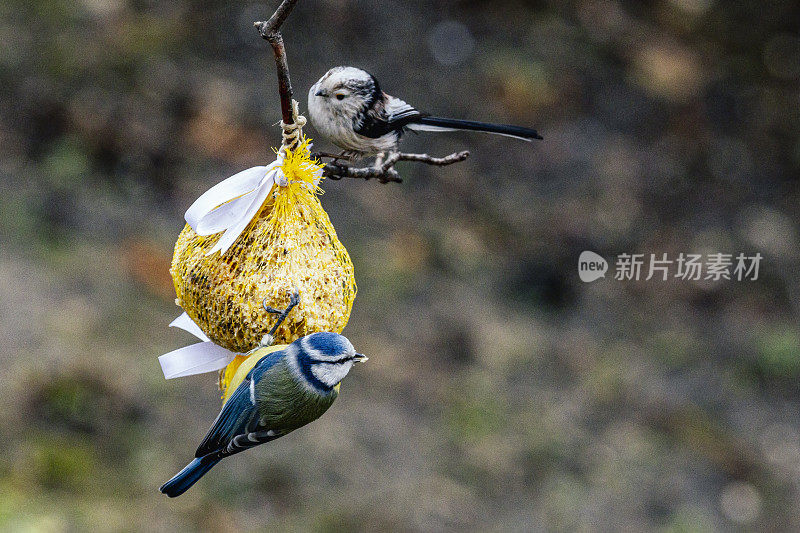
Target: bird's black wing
<point>387,115</point>
<point>237,425</point>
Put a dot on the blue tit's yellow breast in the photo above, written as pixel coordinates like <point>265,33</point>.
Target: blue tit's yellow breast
<point>247,365</point>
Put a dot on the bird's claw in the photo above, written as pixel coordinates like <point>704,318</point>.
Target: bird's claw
<point>294,299</point>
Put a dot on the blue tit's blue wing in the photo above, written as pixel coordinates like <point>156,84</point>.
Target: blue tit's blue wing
<point>237,425</point>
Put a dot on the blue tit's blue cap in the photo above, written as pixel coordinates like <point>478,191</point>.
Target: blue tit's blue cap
<point>329,344</point>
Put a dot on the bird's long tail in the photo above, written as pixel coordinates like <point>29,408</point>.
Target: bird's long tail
<point>452,124</point>
<point>187,477</point>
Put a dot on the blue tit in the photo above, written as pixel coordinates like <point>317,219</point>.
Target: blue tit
<point>284,390</point>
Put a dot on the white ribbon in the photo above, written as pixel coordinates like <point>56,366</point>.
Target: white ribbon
<point>194,359</point>
<point>231,204</point>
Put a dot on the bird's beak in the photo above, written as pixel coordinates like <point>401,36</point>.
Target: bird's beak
<point>360,358</point>
<point>321,92</point>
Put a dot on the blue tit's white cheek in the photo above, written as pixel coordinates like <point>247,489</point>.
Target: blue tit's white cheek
<point>331,373</point>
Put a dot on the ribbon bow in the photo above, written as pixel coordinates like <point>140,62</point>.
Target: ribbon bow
<point>231,204</point>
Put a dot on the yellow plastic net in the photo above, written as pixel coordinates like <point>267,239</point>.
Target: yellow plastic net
<point>290,244</point>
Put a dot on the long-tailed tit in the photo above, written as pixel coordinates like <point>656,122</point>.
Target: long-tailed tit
<point>348,107</point>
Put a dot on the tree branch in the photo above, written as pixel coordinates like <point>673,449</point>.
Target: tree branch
<point>383,168</point>
<point>270,30</point>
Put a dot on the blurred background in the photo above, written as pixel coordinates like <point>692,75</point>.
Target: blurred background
<point>502,393</point>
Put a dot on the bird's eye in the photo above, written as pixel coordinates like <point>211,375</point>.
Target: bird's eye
<point>340,96</point>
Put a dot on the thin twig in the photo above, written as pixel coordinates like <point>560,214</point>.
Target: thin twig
<point>270,30</point>
<point>383,168</point>
<point>334,157</point>
<point>275,22</point>
<point>335,171</point>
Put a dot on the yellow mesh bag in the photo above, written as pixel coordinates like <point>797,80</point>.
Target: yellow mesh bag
<point>289,244</point>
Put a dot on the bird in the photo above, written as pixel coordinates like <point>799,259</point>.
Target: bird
<point>284,390</point>
<point>348,107</point>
